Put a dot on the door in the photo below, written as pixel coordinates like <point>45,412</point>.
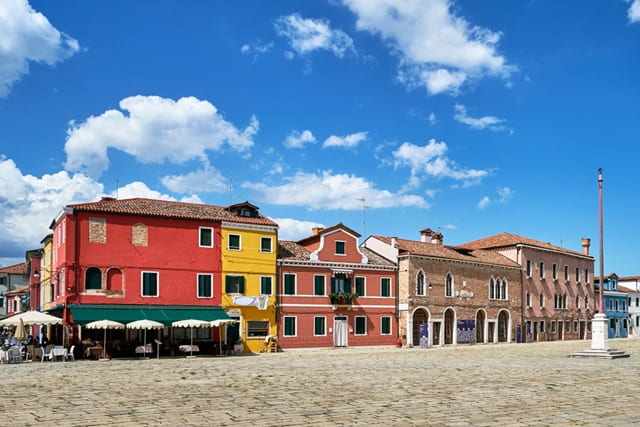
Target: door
<point>340,329</point>
<point>535,331</point>
<point>503,327</point>
<point>420,317</point>
<point>480,327</point>
<point>448,326</point>
<point>233,333</point>
<point>436,333</point>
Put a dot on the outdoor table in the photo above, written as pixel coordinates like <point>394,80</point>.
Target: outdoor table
<point>189,348</point>
<point>94,352</point>
<point>59,352</point>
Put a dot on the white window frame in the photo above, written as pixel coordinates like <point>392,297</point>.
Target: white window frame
<point>365,285</point>
<point>529,269</point>
<point>344,248</point>
<point>355,328</point>
<point>284,326</point>
<point>453,286</point>
<point>198,285</point>
<point>554,271</point>
<point>314,326</point>
<point>229,242</point>
<point>541,267</point>
<point>270,244</point>
<point>382,279</point>
<point>295,284</point>
<point>390,325</point>
<point>324,285</point>
<point>424,283</point>
<point>200,237</point>
<point>142,273</point>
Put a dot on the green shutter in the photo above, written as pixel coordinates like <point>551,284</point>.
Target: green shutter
<point>289,326</point>
<point>289,284</point>
<point>319,285</point>
<point>227,284</point>
<point>319,326</point>
<point>241,285</point>
<point>333,285</point>
<point>386,325</point>
<point>347,284</point>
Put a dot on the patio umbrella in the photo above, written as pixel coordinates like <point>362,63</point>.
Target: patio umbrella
<point>19,334</point>
<point>145,324</point>
<point>191,323</point>
<point>219,322</point>
<point>30,318</point>
<point>104,324</point>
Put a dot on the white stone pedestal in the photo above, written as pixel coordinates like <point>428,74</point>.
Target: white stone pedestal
<point>600,341</point>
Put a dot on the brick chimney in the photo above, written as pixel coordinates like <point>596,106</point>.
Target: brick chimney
<point>316,230</point>
<point>437,238</point>
<point>586,242</point>
<point>425,235</point>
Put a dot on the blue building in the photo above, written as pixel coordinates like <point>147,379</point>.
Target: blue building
<point>615,306</point>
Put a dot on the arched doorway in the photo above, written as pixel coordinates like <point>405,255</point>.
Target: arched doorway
<point>420,316</point>
<point>503,326</point>
<point>480,320</point>
<point>449,326</point>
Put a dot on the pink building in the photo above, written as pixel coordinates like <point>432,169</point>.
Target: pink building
<point>333,293</point>
<point>557,285</point>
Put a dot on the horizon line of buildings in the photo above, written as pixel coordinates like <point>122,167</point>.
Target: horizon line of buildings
<point>130,259</point>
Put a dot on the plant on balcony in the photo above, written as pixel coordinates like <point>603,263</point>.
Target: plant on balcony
<point>342,298</point>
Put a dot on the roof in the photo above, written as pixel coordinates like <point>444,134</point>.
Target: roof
<point>628,278</point>
<point>508,239</point>
<point>19,291</point>
<point>628,290</point>
<point>15,269</point>
<point>292,251</point>
<point>169,209</point>
<point>327,230</point>
<point>413,247</point>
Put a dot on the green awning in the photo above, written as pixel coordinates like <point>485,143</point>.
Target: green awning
<point>125,313</point>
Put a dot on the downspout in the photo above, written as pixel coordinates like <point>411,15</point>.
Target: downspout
<point>523,323</point>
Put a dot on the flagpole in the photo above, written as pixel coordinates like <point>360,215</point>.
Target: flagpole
<point>601,293</point>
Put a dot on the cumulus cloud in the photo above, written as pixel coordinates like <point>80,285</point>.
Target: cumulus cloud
<point>504,195</point>
<point>293,229</point>
<point>206,180</point>
<point>306,35</point>
<point>431,160</point>
<point>155,130</point>
<point>437,49</point>
<point>634,11</point>
<point>140,189</point>
<point>484,202</point>
<point>488,122</point>
<point>347,141</point>
<point>331,191</point>
<point>28,36</point>
<point>297,139</point>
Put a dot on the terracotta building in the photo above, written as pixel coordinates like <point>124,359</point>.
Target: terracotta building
<point>451,295</point>
<point>558,294</point>
<point>333,293</point>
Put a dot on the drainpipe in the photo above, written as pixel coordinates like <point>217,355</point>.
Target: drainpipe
<point>523,323</point>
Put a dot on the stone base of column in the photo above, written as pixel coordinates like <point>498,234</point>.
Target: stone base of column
<point>600,341</point>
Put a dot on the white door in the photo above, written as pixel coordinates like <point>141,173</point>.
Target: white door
<point>340,329</point>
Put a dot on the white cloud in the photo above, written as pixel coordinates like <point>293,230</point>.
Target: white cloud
<point>432,119</point>
<point>256,49</point>
<point>431,160</point>
<point>293,229</point>
<point>504,195</point>
<point>29,203</point>
<point>28,36</point>
<point>155,130</point>
<point>329,191</point>
<point>634,11</point>
<point>140,189</point>
<point>297,139</point>
<point>207,180</point>
<point>306,35</point>
<point>347,141</point>
<point>489,122</point>
<point>484,202</point>
<point>437,49</point>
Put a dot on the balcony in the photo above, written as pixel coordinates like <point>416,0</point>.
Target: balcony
<point>342,299</point>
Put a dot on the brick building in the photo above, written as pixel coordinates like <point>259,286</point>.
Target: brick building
<point>452,295</point>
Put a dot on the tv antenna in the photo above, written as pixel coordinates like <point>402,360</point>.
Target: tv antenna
<point>364,216</point>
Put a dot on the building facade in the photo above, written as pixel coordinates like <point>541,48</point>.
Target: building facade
<point>448,295</point>
<point>12,277</point>
<point>616,306</point>
<point>557,285</point>
<point>249,276</point>
<point>333,293</point>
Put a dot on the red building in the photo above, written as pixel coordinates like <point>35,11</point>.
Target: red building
<point>127,260</point>
<point>332,293</point>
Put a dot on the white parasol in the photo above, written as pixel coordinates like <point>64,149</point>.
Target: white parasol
<point>30,318</point>
<point>104,324</point>
<point>145,324</point>
<point>191,323</point>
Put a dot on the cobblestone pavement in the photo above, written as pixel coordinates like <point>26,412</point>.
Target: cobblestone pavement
<point>508,384</point>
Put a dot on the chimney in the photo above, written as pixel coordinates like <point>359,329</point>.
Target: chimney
<point>586,242</point>
<point>316,230</point>
<point>437,238</point>
<point>107,199</point>
<point>425,235</point>
<point>394,242</point>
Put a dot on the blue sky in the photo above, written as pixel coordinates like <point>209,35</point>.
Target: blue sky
<point>467,117</point>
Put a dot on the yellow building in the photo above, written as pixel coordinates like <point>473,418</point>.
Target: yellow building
<point>46,288</point>
<point>248,249</point>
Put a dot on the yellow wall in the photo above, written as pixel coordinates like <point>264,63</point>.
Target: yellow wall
<point>252,264</point>
<point>45,274</point>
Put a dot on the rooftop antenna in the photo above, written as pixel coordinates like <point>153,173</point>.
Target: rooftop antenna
<point>364,216</point>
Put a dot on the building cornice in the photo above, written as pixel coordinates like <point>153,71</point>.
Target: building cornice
<point>458,261</point>
<point>248,227</point>
<point>335,265</point>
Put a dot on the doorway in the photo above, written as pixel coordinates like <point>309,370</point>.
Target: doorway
<point>436,332</point>
<point>503,326</point>
<point>480,320</point>
<point>449,326</point>
<point>420,317</point>
<point>340,329</point>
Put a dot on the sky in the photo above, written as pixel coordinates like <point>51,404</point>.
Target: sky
<point>390,116</point>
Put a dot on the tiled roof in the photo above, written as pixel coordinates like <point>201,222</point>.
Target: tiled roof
<point>292,251</point>
<point>413,247</point>
<point>508,239</point>
<point>321,231</point>
<point>22,290</point>
<point>628,278</point>
<point>168,209</point>
<point>625,289</point>
<point>15,269</point>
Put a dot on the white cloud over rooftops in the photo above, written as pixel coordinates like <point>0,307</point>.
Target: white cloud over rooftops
<point>293,229</point>
<point>297,139</point>
<point>28,36</point>
<point>306,35</point>
<point>326,190</point>
<point>155,130</point>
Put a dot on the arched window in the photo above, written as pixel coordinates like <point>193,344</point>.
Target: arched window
<point>503,289</point>
<point>93,278</point>
<point>492,289</point>
<point>448,285</point>
<point>420,283</point>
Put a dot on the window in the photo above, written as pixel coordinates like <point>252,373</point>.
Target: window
<point>577,275</point>
<point>541,300</point>
<point>319,326</point>
<point>617,305</point>
<point>257,328</point>
<point>93,278</point>
<point>528,299</point>
<point>567,326</point>
<point>528,268</point>
<point>139,235</point>
<point>340,283</point>
<point>586,302</point>
<point>637,302</point>
<point>385,325</point>
<point>553,326</point>
<point>448,285</point>
<point>149,284</point>
<point>554,271</point>
<point>610,305</point>
<point>420,281</point>
<point>361,325</point>
<point>205,286</point>
<point>360,286</point>
<point>542,326</point>
<point>206,237</point>
<point>289,284</point>
<point>560,301</point>
<point>265,244</point>
<point>624,305</point>
<point>234,284</point>
<point>265,285</point>
<point>340,247</point>
<point>385,287</point>
<point>577,302</point>
<point>319,285</point>
<point>566,273</point>
<point>492,289</point>
<point>289,326</point>
<point>586,275</point>
<point>504,289</point>
<point>575,326</point>
<point>612,323</point>
<point>234,242</point>
<point>541,265</point>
